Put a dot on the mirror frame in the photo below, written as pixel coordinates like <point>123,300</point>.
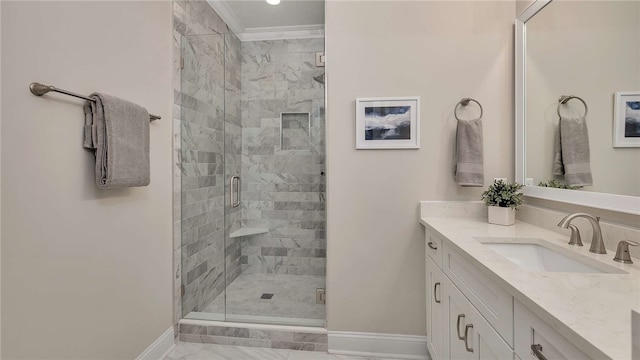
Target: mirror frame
<point>620,203</point>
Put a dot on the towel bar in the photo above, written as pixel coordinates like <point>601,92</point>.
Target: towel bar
<point>38,89</point>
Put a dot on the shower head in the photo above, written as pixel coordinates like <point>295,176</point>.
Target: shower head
<point>319,78</point>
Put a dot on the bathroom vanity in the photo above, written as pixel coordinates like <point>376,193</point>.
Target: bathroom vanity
<point>521,292</point>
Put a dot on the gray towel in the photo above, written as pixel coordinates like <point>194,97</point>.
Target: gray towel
<point>572,152</point>
<point>118,131</point>
<point>468,157</point>
<point>558,166</point>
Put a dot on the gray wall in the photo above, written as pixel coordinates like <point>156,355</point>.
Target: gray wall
<point>86,273</point>
<point>441,51</point>
<point>283,188</point>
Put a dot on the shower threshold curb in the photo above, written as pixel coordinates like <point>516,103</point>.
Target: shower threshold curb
<point>253,325</point>
<point>254,335</point>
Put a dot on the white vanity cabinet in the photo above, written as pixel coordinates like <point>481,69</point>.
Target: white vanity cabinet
<point>469,316</point>
<point>435,316</point>
<point>455,328</point>
<point>470,335</point>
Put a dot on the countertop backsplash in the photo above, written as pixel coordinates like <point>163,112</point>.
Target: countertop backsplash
<point>453,209</point>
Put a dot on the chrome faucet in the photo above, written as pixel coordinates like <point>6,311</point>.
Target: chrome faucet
<point>597,244</point>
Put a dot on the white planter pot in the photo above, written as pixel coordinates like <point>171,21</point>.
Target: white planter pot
<point>502,215</point>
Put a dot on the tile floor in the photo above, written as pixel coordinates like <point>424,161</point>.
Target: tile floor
<point>194,351</point>
<point>294,296</point>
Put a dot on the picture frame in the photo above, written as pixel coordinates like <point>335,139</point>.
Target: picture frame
<point>388,123</point>
<point>626,119</point>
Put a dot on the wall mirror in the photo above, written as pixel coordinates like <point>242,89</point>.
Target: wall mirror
<point>591,50</point>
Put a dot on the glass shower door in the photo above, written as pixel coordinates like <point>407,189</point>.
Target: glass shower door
<point>201,159</point>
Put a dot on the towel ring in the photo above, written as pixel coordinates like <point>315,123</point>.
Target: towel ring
<point>465,102</point>
<point>563,99</point>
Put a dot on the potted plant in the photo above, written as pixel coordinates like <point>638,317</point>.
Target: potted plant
<point>502,199</point>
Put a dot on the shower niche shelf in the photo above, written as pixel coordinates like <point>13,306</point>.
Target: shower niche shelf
<point>247,232</point>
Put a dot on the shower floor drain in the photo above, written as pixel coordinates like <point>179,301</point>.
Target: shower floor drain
<point>266,296</point>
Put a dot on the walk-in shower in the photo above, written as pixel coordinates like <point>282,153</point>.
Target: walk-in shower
<point>253,219</point>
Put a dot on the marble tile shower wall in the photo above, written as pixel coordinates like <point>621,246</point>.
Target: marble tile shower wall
<point>199,125</point>
<point>283,189</point>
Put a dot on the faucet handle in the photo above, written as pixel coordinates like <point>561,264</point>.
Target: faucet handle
<point>622,253</point>
<point>575,236</point>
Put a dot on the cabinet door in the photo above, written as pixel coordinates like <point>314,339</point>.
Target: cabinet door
<point>492,301</point>
<point>435,332</point>
<point>433,245</point>
<point>456,317</point>
<point>531,330</point>
<point>485,340</point>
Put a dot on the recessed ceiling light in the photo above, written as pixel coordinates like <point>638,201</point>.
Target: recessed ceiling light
<point>273,2</point>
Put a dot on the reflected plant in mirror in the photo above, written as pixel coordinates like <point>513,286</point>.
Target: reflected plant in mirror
<point>558,185</point>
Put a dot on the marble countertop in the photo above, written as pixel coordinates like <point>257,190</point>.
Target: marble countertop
<point>593,311</point>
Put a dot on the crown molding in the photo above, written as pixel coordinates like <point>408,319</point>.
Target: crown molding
<point>282,33</point>
<point>264,33</point>
<point>227,15</point>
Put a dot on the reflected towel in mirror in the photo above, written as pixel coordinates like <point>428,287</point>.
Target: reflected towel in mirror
<point>572,158</point>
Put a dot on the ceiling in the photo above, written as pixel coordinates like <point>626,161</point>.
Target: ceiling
<point>257,13</point>
<point>256,16</point>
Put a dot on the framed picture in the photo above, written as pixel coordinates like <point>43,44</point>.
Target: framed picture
<point>388,123</point>
<point>626,119</point>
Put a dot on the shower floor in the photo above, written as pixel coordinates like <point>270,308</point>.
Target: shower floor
<point>294,296</point>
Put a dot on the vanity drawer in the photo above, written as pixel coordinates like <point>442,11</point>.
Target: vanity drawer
<point>531,330</point>
<point>493,302</point>
<point>433,245</point>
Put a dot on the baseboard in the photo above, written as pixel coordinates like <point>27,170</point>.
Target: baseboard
<point>378,345</point>
<point>160,347</point>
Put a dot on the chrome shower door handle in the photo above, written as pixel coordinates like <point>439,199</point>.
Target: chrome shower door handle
<point>239,186</point>
<point>231,181</point>
<point>234,181</point>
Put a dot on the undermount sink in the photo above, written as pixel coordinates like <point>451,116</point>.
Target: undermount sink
<point>532,254</point>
